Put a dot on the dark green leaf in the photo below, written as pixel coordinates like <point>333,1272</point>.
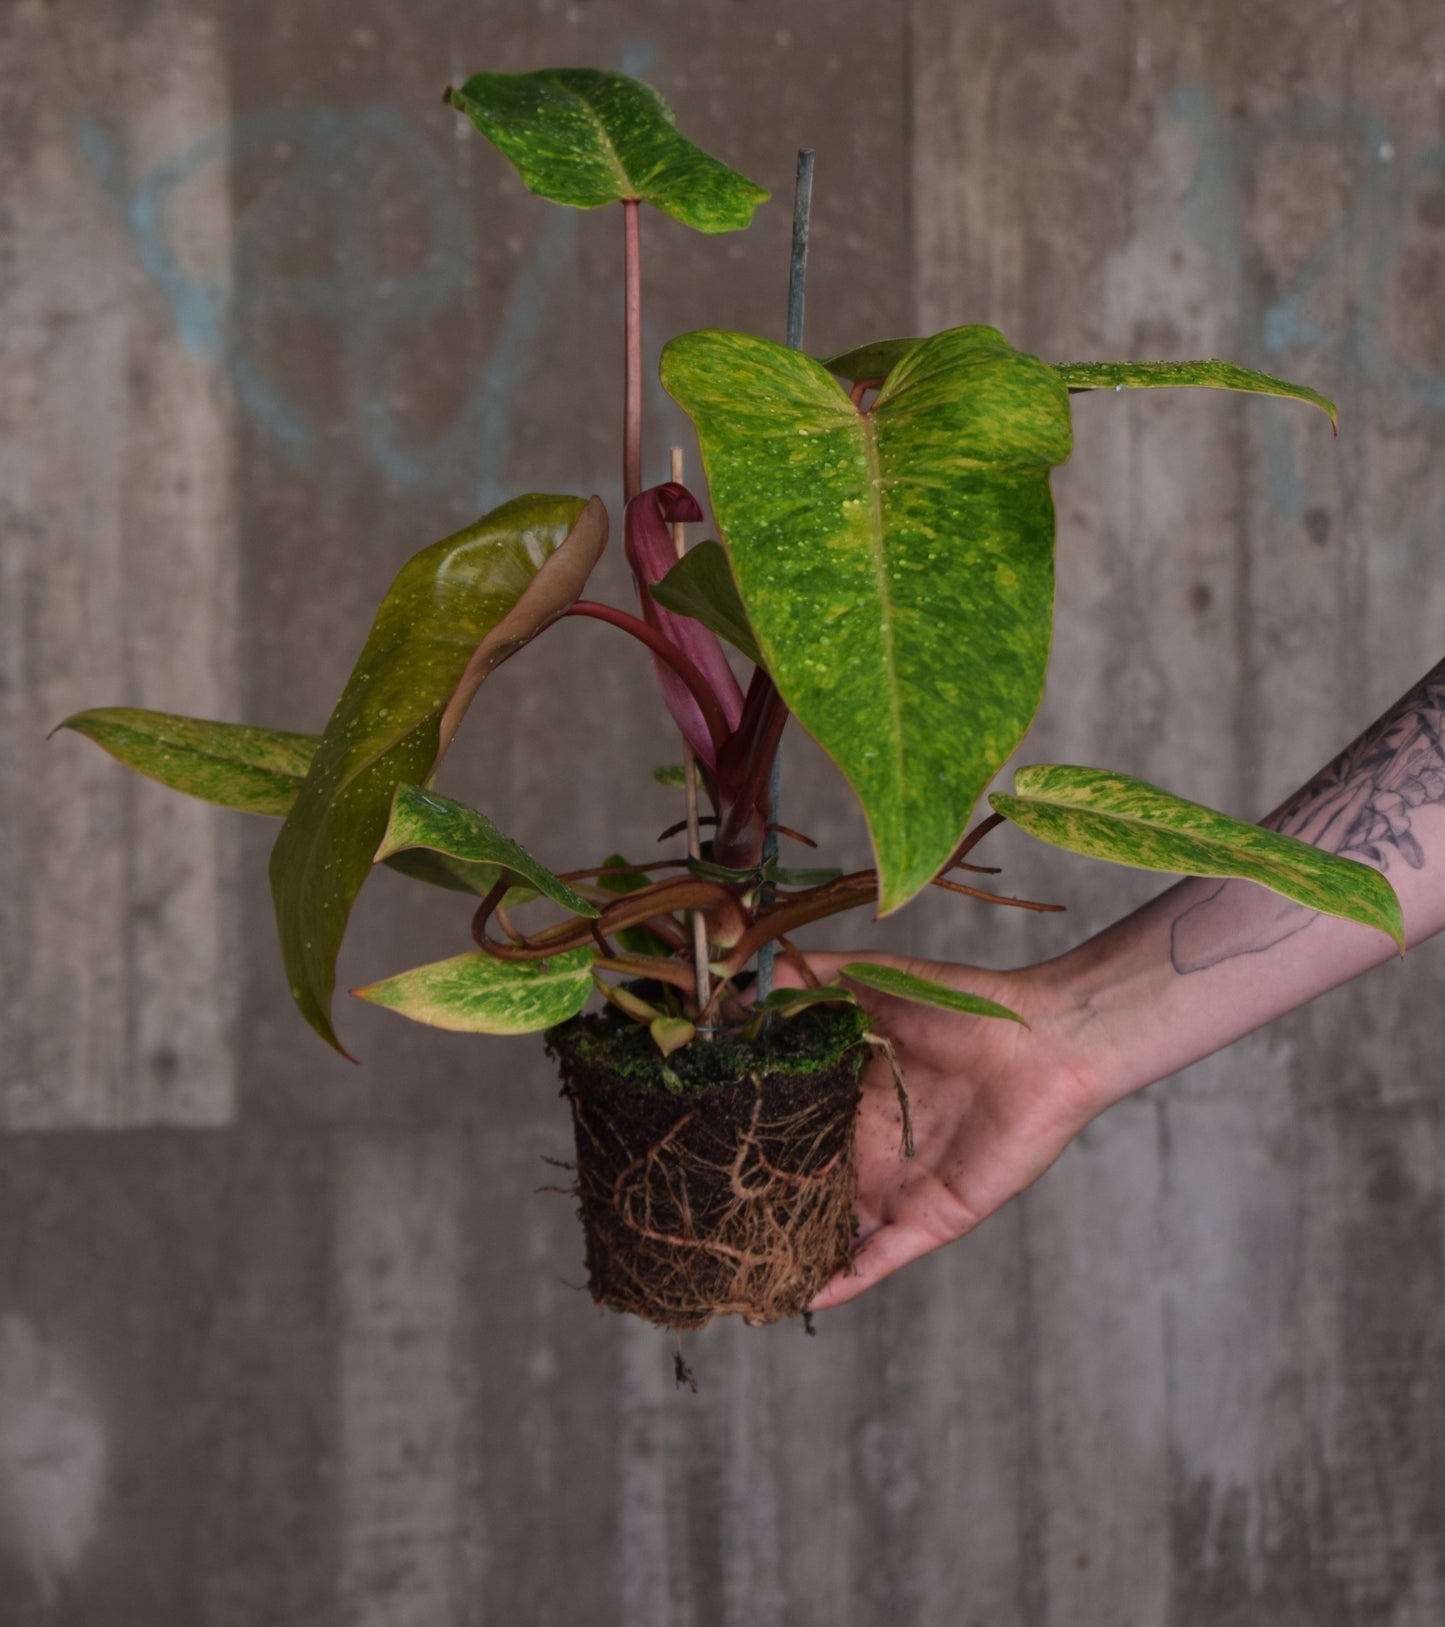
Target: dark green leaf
<point>905,986</point>
<point>586,138</point>
<point>426,819</point>
<point>478,994</point>
<point>701,585</point>
<point>1112,816</point>
<point>789,1002</point>
<point>388,725</point>
<point>897,568</point>
<point>253,770</point>
<point>619,877</point>
<point>790,876</point>
<point>875,361</point>
<point>1206,375</point>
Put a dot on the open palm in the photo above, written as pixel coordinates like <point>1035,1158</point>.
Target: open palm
<point>993,1105</point>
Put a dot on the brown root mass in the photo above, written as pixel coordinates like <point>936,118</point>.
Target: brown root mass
<point>729,1195</point>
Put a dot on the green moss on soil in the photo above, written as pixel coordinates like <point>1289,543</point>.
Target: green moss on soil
<point>812,1042</point>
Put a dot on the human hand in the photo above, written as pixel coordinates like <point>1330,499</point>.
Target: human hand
<point>993,1105</point>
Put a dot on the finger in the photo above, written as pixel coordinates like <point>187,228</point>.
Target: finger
<point>889,1248</point>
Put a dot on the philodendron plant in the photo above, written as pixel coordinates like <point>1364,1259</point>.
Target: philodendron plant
<point>883,573</point>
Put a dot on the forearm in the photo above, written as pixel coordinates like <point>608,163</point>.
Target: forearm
<point>1209,961</point>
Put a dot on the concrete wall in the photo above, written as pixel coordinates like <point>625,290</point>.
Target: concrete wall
<point>283,1340</point>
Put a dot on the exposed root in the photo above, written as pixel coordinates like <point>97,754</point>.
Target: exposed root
<point>734,1199</point>
<point>905,1145</point>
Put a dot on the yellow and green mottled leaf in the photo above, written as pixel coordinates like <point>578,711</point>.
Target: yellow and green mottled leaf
<point>905,986</point>
<point>582,137</point>
<point>478,994</point>
<point>672,775</point>
<point>386,728</point>
<point>701,585</point>
<point>255,771</point>
<point>896,567</point>
<point>427,820</point>
<point>1113,816</point>
<point>1211,375</point>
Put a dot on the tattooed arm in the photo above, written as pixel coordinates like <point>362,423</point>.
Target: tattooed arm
<point>1203,964</point>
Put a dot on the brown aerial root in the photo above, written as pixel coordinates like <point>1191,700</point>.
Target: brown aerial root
<point>736,1199</point>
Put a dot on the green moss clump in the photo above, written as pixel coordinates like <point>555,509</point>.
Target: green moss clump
<point>812,1042</point>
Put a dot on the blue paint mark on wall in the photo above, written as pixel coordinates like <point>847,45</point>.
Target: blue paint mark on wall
<point>223,312</point>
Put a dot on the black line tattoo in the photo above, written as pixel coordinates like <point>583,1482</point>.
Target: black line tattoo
<point>1360,806</point>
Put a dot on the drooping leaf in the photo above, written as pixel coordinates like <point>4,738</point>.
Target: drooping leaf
<point>619,877</point>
<point>701,585</point>
<point>1080,376</point>
<point>386,728</point>
<point>583,137</point>
<point>875,361</point>
<point>905,986</point>
<point>554,589</point>
<point>897,568</point>
<point>652,553</point>
<point>1113,816</point>
<point>478,994</point>
<point>252,770</point>
<point>426,819</point>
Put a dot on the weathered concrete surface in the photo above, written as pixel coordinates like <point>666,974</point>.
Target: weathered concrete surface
<point>282,1340</point>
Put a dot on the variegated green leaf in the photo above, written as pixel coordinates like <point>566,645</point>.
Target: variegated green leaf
<point>257,771</point>
<point>1113,816</point>
<point>478,994</point>
<point>427,819</point>
<point>701,585</point>
<point>252,770</point>
<point>1204,375</point>
<point>484,590</point>
<point>585,138</point>
<point>896,567</point>
<point>905,986</point>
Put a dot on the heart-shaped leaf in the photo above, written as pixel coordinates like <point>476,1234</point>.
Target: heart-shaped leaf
<point>1079,376</point>
<point>478,994</point>
<point>583,137</point>
<point>652,554</point>
<point>1113,816</point>
<point>896,567</point>
<point>701,585</point>
<point>426,819</point>
<point>905,986</point>
<point>255,771</point>
<point>387,726</point>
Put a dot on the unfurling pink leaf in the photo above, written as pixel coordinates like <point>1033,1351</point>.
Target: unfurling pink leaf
<point>651,554</point>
